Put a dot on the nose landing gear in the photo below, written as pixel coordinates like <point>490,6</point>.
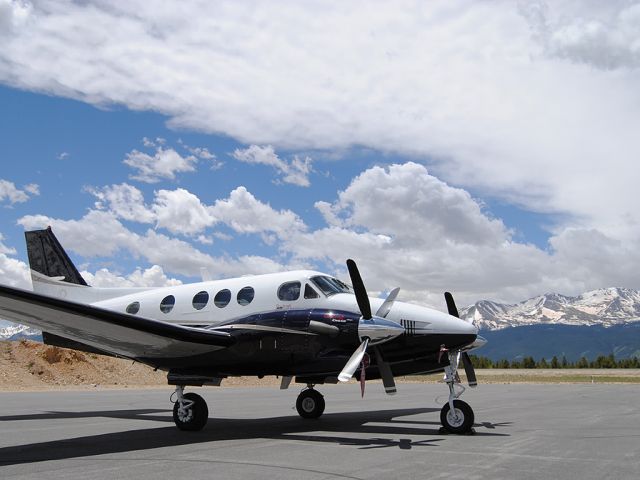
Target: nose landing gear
<point>456,416</point>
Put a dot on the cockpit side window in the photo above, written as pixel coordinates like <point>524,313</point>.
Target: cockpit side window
<point>329,285</point>
<point>309,292</point>
<point>289,292</point>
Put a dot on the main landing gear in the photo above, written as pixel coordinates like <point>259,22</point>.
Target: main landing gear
<point>456,416</point>
<point>310,403</point>
<point>190,412</point>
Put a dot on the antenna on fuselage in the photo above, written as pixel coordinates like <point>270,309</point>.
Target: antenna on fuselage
<point>205,274</point>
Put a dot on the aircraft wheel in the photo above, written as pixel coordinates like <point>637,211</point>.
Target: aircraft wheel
<point>191,417</point>
<point>460,420</point>
<point>310,404</point>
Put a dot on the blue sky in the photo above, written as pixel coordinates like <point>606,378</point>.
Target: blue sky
<point>495,154</point>
<point>81,146</point>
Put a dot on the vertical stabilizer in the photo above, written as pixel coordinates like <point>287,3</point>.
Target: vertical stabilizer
<point>47,257</point>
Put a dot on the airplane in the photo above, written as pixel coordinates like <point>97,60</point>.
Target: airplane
<point>301,324</point>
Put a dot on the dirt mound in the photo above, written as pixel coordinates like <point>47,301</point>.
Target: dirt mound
<point>29,365</point>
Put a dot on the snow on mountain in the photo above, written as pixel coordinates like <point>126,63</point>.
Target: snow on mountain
<point>606,307</point>
<point>14,331</point>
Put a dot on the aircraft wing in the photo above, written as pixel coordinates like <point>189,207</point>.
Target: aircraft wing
<point>112,332</point>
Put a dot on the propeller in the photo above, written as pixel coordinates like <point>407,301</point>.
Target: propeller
<point>385,308</point>
<point>466,360</point>
<point>354,361</point>
<point>371,330</point>
<point>469,370</point>
<point>451,305</point>
<point>358,287</point>
<point>388,381</point>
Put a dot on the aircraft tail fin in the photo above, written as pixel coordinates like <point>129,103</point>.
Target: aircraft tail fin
<point>48,258</point>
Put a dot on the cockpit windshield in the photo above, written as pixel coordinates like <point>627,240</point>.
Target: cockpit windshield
<point>330,286</point>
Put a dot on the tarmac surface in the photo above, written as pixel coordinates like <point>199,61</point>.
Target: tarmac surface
<point>522,432</point>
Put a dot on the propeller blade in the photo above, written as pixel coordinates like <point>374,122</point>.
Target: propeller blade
<point>451,305</point>
<point>469,370</point>
<point>385,308</point>
<point>385,372</point>
<point>361,292</point>
<point>354,362</point>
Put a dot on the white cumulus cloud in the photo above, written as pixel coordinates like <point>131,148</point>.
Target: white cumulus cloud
<point>180,211</point>
<point>13,272</point>
<point>295,172</point>
<point>407,228</point>
<point>100,234</point>
<point>162,165</point>
<point>153,276</point>
<point>244,213</point>
<point>4,249</point>
<point>404,226</point>
<point>124,200</point>
<point>10,193</point>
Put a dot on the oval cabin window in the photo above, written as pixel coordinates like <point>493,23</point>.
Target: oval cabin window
<point>167,303</point>
<point>133,308</point>
<point>200,300</point>
<point>245,296</point>
<point>222,298</point>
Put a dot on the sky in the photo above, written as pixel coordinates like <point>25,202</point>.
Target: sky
<point>488,148</point>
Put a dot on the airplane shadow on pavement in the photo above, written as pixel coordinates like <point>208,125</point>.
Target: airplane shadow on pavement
<point>367,429</point>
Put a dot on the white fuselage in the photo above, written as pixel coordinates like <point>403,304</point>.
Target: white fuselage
<point>205,311</point>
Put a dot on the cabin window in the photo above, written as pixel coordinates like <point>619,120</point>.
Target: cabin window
<point>309,292</point>
<point>245,296</point>
<point>200,300</point>
<point>167,303</point>
<point>289,291</point>
<point>133,308</point>
<point>222,298</point>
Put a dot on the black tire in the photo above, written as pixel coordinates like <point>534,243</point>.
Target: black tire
<point>464,421</point>
<point>310,404</point>
<point>196,415</point>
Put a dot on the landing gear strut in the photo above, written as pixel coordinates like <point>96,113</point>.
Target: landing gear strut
<point>190,411</point>
<point>310,403</point>
<point>456,416</point>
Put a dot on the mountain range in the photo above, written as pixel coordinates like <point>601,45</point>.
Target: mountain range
<point>604,307</point>
<point>598,322</point>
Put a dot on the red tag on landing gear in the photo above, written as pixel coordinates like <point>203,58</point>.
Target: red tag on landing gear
<point>363,368</point>
<point>443,349</point>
